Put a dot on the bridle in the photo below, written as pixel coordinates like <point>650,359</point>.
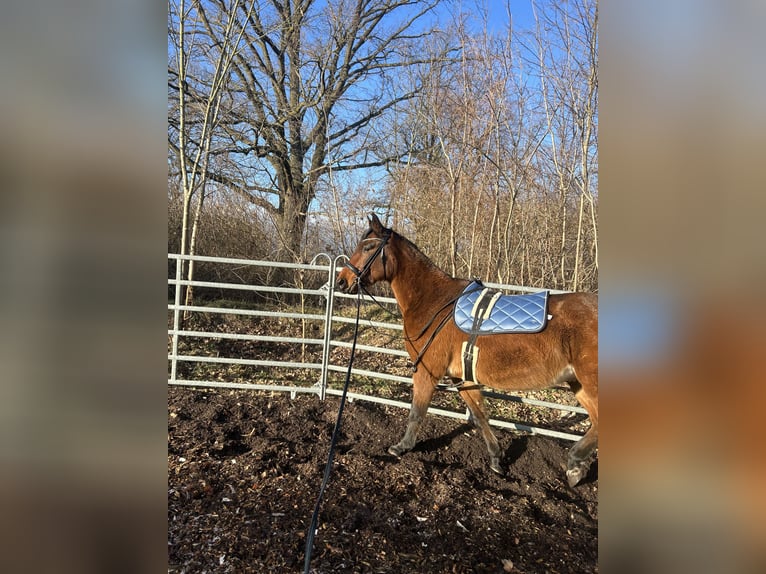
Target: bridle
<point>379,251</point>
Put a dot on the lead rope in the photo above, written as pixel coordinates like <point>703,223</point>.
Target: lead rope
<point>335,433</point>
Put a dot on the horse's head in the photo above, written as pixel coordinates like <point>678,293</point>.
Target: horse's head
<point>369,262</point>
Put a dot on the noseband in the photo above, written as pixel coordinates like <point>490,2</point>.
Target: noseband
<point>370,260</point>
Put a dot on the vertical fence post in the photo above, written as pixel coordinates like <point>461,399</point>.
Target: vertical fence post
<point>176,320</point>
<point>329,302</point>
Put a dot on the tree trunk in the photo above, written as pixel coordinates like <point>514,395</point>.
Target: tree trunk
<point>291,223</point>
<point>189,297</point>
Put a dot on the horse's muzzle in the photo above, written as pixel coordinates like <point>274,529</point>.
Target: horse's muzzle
<point>346,287</point>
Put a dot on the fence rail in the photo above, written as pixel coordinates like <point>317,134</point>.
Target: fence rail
<point>322,360</point>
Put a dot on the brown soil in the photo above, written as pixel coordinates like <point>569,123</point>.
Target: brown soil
<point>244,471</point>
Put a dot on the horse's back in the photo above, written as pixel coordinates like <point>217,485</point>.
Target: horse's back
<point>577,313</point>
<point>580,303</point>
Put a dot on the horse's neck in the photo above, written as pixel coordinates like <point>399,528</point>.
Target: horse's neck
<point>420,287</point>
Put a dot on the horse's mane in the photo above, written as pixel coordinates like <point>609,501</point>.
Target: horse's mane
<point>418,255</point>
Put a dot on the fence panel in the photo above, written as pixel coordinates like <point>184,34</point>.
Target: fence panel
<point>234,324</point>
<point>323,322</point>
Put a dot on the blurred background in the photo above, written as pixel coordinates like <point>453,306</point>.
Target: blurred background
<point>682,329</point>
<point>84,221</point>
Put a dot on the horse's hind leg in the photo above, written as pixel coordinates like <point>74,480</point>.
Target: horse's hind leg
<point>423,386</point>
<point>578,463</point>
<point>475,401</point>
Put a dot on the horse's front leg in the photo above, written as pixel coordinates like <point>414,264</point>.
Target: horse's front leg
<point>475,401</point>
<point>423,386</point>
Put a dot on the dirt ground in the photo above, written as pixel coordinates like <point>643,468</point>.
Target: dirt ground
<point>244,470</point>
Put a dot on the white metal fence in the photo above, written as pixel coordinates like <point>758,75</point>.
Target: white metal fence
<point>313,355</point>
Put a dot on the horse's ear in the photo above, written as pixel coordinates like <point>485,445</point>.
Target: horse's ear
<point>375,224</point>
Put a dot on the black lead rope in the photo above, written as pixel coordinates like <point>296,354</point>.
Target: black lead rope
<point>335,433</point>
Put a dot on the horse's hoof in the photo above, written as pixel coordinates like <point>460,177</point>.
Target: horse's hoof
<point>494,465</point>
<point>574,476</point>
<point>395,451</point>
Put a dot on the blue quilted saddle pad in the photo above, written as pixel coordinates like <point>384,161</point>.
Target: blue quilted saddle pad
<point>503,313</point>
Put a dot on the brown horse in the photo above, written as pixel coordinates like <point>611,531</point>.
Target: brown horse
<point>566,351</point>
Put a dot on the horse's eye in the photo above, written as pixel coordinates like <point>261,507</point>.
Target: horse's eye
<point>368,247</point>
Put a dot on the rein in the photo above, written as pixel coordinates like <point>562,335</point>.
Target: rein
<point>439,327</point>
<point>430,340</point>
<point>335,434</point>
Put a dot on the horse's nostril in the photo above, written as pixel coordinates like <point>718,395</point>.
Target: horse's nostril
<point>342,283</point>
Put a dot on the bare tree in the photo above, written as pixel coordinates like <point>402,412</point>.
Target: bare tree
<point>306,90</point>
<point>195,106</point>
<point>505,182</point>
<point>566,48</point>
<point>480,143</point>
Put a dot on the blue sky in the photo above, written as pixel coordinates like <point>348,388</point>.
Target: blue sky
<point>497,12</point>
